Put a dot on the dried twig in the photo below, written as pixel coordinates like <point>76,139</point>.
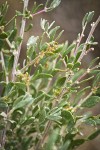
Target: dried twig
<point>80,39</point>
<point>94,25</point>
<point>39,12</point>
<point>21,35</point>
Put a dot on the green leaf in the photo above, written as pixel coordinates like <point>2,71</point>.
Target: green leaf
<point>64,48</point>
<point>43,46</point>
<point>77,56</point>
<point>39,97</point>
<point>66,145</point>
<point>69,49</point>
<point>93,62</point>
<point>31,53</point>
<point>54,114</point>
<point>84,21</point>
<point>3,104</point>
<point>55,110</point>
<point>59,49</point>
<point>95,120</point>
<point>3,35</point>
<point>66,59</point>
<point>54,117</point>
<point>55,3</point>
<point>41,75</point>
<point>36,7</point>
<point>59,35</point>
<point>52,33</point>
<point>70,65</point>
<point>3,7</point>
<point>87,18</point>
<point>92,101</point>
<point>67,117</point>
<point>77,65</point>
<point>61,81</point>
<point>42,114</point>
<point>16,43</point>
<point>35,111</point>
<point>21,86</point>
<point>32,41</point>
<point>11,61</point>
<point>23,101</point>
<point>77,75</point>
<point>80,94</point>
<point>43,23</point>
<point>90,16</point>
<point>52,139</point>
<point>28,121</point>
<point>96,81</point>
<point>29,27</point>
<point>87,79</point>
<point>8,88</point>
<point>94,135</point>
<point>94,72</point>
<point>18,13</point>
<point>77,142</point>
<point>13,35</point>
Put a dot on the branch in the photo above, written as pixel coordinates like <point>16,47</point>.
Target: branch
<point>39,12</point>
<point>57,100</point>
<point>80,39</point>
<point>88,71</point>
<point>94,25</point>
<point>9,44</point>
<point>82,101</point>
<point>21,35</point>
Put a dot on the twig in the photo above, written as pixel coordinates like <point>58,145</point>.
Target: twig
<point>21,35</point>
<point>80,39</point>
<point>10,20</point>
<point>8,42</point>
<point>88,71</point>
<point>29,64</point>
<point>51,79</point>
<point>94,25</point>
<point>39,12</point>
<point>82,101</point>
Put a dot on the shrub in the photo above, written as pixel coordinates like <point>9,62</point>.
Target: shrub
<point>42,102</point>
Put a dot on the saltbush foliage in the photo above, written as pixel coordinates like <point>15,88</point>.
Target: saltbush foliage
<point>45,104</point>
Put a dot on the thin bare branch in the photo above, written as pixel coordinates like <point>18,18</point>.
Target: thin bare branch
<point>94,25</point>
<point>39,12</point>
<point>21,35</point>
<point>80,39</point>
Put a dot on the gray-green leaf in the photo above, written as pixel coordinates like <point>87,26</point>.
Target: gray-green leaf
<point>92,101</point>
<point>32,41</point>
<point>23,101</point>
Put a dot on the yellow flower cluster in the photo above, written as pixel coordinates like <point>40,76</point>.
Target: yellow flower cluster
<point>25,77</point>
<point>50,49</point>
<point>39,57</point>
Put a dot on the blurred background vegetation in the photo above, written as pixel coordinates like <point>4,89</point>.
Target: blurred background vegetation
<point>69,16</point>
